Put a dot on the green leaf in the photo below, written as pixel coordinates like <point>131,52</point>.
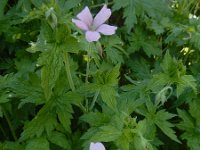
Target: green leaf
<point>8,145</point>
<point>108,95</point>
<point>191,132</point>
<point>141,40</point>
<point>167,63</point>
<point>60,140</point>
<point>162,122</point>
<point>65,118</point>
<point>130,14</point>
<point>125,139</point>
<point>63,107</point>
<point>114,55</point>
<point>138,8</point>
<point>4,97</point>
<point>70,44</point>
<point>108,77</point>
<point>2,6</point>
<point>118,4</point>
<point>64,111</point>
<point>24,5</point>
<point>130,8</point>
<point>52,44</point>
<point>28,66</point>
<point>23,87</point>
<point>195,40</point>
<point>89,87</point>
<point>175,35</point>
<point>152,47</point>
<point>52,62</point>
<point>184,82</point>
<point>71,4</point>
<point>45,40</point>
<point>159,81</point>
<point>140,67</point>
<point>105,83</point>
<point>1,113</point>
<point>43,121</point>
<point>187,121</point>
<point>128,102</point>
<point>157,27</point>
<point>113,76</point>
<point>172,67</point>
<point>174,73</point>
<point>91,118</point>
<point>37,144</point>
<point>114,49</point>
<point>106,134</point>
<point>194,110</point>
<point>7,81</point>
<point>141,143</point>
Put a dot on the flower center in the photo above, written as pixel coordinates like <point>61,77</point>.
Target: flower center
<point>92,28</point>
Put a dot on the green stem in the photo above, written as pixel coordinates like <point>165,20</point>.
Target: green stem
<point>10,124</point>
<point>88,62</point>
<point>87,72</point>
<point>87,69</point>
<point>67,67</point>
<point>94,99</point>
<point>86,104</point>
<point>69,77</point>
<point>2,130</point>
<point>100,5</point>
<point>83,108</point>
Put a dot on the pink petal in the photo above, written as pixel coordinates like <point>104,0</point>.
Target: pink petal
<point>85,16</point>
<point>92,36</point>
<point>97,146</point>
<point>80,24</point>
<point>102,16</point>
<point>106,29</point>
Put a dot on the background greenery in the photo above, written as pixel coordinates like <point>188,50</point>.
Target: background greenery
<point>145,79</point>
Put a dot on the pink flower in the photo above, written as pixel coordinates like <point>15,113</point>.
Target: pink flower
<point>97,146</point>
<point>93,27</point>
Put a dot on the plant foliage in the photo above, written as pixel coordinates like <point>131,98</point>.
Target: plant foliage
<point>135,90</point>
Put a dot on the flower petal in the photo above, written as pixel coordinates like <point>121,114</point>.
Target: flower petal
<point>92,36</point>
<point>97,146</point>
<point>80,24</point>
<point>85,16</point>
<point>102,16</point>
<point>106,29</point>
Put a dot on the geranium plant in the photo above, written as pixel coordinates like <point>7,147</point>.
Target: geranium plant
<point>99,75</point>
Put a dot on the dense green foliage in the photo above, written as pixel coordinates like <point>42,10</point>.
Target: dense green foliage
<point>135,90</point>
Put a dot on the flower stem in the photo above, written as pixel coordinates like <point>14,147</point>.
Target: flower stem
<point>100,5</point>
<point>87,69</point>
<point>86,78</point>
<point>88,62</point>
<point>67,67</point>
<point>94,99</point>
<point>9,124</point>
<point>70,80</point>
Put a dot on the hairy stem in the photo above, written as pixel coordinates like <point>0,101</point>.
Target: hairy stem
<point>87,69</point>
<point>2,130</point>
<point>9,124</point>
<point>86,78</point>
<point>94,99</point>
<point>100,5</point>
<point>69,77</point>
<point>67,67</point>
